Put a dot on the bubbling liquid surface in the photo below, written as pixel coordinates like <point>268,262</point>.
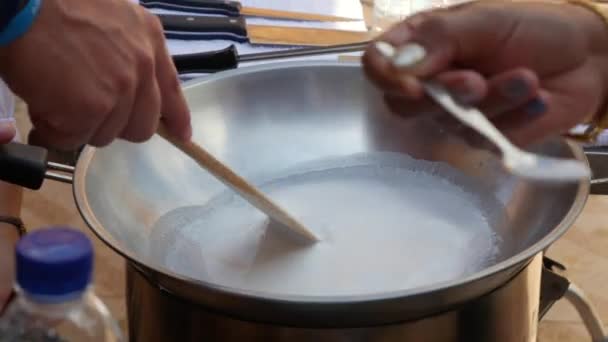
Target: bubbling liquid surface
<point>384,227</point>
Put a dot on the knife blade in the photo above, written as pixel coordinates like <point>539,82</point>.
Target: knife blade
<point>235,9</point>
<point>228,58</point>
<point>236,29</point>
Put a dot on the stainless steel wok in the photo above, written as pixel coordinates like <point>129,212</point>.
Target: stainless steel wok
<point>268,118</point>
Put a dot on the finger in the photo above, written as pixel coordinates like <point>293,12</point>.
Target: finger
<point>468,87</point>
<point>53,139</point>
<point>59,129</point>
<point>513,100</point>
<point>7,131</point>
<point>401,32</point>
<point>174,109</point>
<point>431,42</point>
<point>429,50</point>
<point>145,114</point>
<point>49,136</point>
<point>464,35</point>
<point>528,124</point>
<point>7,264</point>
<point>381,71</point>
<point>509,91</point>
<point>115,122</point>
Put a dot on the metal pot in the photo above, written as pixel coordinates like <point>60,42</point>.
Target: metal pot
<point>272,117</point>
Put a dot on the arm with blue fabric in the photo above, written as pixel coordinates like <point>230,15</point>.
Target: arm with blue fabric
<point>90,71</point>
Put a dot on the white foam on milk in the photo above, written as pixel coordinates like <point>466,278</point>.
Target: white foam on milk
<point>384,227</point>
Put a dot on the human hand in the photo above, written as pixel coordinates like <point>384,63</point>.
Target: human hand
<point>536,69</point>
<point>93,71</point>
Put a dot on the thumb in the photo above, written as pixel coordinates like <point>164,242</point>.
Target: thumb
<point>454,37</point>
<point>7,131</point>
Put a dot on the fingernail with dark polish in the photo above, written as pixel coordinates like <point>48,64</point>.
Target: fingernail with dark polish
<point>516,88</point>
<point>535,107</point>
<point>464,96</point>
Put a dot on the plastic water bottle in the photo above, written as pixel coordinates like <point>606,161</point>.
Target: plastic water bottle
<point>55,300</point>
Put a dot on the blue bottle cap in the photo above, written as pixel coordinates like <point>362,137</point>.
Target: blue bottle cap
<point>54,262</point>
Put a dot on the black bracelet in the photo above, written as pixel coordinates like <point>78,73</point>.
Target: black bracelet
<point>10,298</point>
<point>16,222</point>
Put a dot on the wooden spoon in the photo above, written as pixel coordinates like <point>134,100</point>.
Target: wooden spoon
<point>246,190</point>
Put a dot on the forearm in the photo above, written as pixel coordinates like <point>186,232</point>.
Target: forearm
<point>10,201</point>
<point>10,205</point>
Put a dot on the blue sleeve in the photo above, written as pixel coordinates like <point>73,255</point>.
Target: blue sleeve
<point>8,10</point>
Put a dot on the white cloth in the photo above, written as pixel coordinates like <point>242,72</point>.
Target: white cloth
<point>7,106</point>
<point>7,102</point>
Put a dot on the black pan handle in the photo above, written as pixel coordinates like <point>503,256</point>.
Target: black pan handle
<point>197,24</point>
<point>23,165</point>
<point>207,62</point>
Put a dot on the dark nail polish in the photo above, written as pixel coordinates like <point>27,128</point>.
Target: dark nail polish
<point>535,107</point>
<point>465,97</point>
<point>463,94</point>
<point>516,88</point>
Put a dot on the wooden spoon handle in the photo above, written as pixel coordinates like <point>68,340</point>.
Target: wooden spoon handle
<point>249,192</point>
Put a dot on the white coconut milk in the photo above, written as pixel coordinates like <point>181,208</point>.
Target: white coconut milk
<point>383,228</point>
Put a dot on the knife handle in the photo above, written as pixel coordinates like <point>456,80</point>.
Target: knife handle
<point>207,62</point>
<point>200,27</point>
<point>194,23</point>
<point>229,8</point>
